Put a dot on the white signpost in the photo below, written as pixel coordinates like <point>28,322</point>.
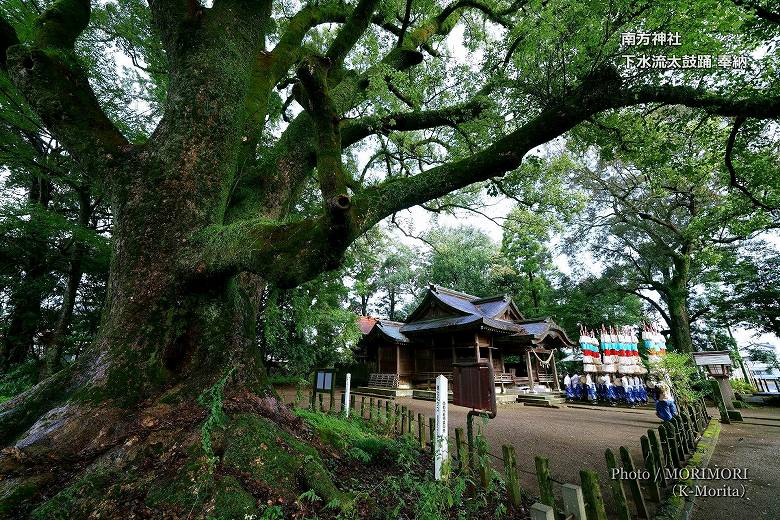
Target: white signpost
<point>346,394</point>
<point>440,452</point>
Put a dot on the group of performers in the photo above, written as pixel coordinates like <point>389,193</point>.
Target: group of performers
<point>627,390</point>
<point>615,352</point>
<point>612,366</point>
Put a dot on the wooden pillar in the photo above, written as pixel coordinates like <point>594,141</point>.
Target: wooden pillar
<point>490,354</point>
<point>530,370</point>
<point>476,344</point>
<point>398,360</point>
<point>555,373</point>
<point>454,354</point>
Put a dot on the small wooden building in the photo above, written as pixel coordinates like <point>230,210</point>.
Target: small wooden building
<point>452,327</point>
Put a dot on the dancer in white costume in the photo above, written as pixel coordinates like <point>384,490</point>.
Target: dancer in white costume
<point>590,388</point>
<point>567,386</point>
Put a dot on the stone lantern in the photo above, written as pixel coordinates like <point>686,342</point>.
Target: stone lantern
<point>717,364</point>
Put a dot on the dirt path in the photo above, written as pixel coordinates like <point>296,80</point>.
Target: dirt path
<point>572,438</point>
<point>754,445</point>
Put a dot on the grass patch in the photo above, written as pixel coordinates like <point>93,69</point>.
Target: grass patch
<point>360,439</point>
<point>280,380</point>
<point>18,379</point>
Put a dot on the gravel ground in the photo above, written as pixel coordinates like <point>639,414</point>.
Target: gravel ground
<point>754,445</point>
<point>572,438</point>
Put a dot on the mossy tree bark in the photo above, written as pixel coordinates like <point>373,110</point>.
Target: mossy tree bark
<point>676,298</point>
<point>202,219</point>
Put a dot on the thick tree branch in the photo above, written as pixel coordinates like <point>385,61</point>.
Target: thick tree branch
<point>757,105</point>
<point>289,162</point>
<point>596,94</point>
<point>313,73</point>
<point>47,73</point>
<point>733,179</point>
<point>257,246</point>
<point>355,130</point>
<point>350,32</point>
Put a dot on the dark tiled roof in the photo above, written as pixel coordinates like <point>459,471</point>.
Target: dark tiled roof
<point>391,329</point>
<point>539,329</point>
<point>489,307</point>
<point>456,301</point>
<point>493,308</point>
<point>468,312</point>
<point>455,322</point>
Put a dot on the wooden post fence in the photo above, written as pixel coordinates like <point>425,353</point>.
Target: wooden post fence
<point>461,449</point>
<point>594,503</point>
<point>512,477</point>
<point>633,483</point>
<point>653,482</point>
<point>545,482</point>
<point>616,484</point>
<point>660,462</point>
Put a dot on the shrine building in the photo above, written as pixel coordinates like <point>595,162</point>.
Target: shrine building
<point>451,327</point>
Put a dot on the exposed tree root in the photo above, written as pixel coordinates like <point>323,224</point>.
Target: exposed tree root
<point>80,461</point>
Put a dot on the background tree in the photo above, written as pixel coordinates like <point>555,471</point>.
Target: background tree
<point>660,214</point>
<point>49,238</point>
<point>460,258</point>
<point>749,294</point>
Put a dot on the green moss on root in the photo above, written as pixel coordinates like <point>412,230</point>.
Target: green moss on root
<point>232,501</point>
<point>74,501</point>
<point>257,446</point>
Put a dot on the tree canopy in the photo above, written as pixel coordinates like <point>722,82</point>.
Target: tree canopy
<point>234,150</point>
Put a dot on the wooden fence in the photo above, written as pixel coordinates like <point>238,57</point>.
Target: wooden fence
<point>664,449</point>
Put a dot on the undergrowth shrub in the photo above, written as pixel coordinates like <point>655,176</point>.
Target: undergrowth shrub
<point>18,379</point>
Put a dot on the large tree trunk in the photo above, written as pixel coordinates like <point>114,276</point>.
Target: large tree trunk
<point>175,342</point>
<point>171,349</point>
<point>680,325</point>
<point>676,298</point>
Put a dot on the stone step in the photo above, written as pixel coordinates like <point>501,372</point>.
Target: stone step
<point>541,400</point>
<point>374,391</point>
<point>536,397</point>
<point>544,404</point>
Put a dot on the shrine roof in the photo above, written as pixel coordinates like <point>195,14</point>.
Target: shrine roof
<point>444,309</point>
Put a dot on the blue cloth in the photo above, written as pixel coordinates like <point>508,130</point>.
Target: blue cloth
<point>611,395</point>
<point>569,392</point>
<point>665,410</point>
<point>591,392</point>
<point>643,394</point>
